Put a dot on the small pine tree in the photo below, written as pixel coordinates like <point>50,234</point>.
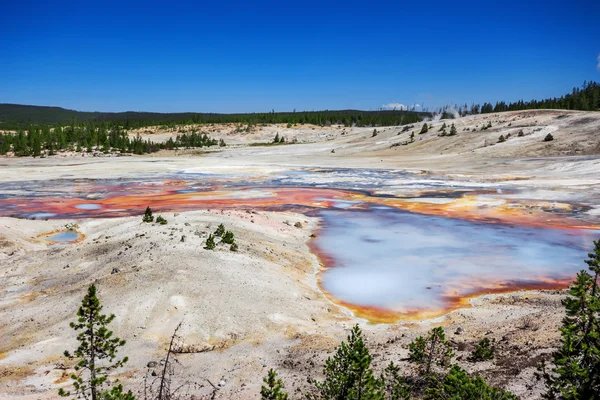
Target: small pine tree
<point>374,132</point>
<point>348,374</point>
<point>210,243</point>
<point>424,129</point>
<point>433,349</point>
<point>412,137</point>
<point>273,389</point>
<point>220,230</point>
<point>276,138</point>
<point>148,217</point>
<point>222,143</point>
<point>443,127</point>
<point>282,140</point>
<point>501,139</point>
<point>396,386</point>
<point>483,351</point>
<point>576,371</point>
<point>452,130</point>
<point>96,352</point>
<point>228,237</point>
<point>233,247</point>
<point>161,220</point>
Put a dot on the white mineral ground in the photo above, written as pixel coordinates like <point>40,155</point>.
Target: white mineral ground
<point>259,308</point>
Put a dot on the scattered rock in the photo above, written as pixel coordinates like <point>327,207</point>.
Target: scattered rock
<point>298,224</point>
<point>115,270</point>
<point>459,331</point>
<point>152,364</point>
<point>187,224</point>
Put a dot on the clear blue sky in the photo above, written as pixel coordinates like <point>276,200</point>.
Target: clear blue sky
<point>244,56</point>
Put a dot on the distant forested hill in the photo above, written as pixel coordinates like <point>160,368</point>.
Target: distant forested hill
<point>13,116</point>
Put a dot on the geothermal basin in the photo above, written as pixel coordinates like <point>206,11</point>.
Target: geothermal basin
<point>393,246</point>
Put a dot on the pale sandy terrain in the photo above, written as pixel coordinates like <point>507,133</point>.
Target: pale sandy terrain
<point>261,307</point>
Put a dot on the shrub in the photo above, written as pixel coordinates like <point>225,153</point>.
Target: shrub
<point>521,134</point>
<point>148,217</point>
<point>458,385</point>
<point>210,243</point>
<point>483,351</point>
<point>161,220</point>
<point>549,138</point>
<point>501,139</point>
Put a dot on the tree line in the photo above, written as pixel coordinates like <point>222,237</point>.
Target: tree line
<point>15,116</point>
<point>584,98</point>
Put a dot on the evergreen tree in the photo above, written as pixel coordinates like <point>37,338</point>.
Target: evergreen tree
<point>220,230</point>
<point>396,386</point>
<point>576,371</point>
<point>228,237</point>
<point>276,138</point>
<point>452,130</point>
<point>424,129</point>
<point>434,349</point>
<point>96,354</point>
<point>210,243</point>
<point>273,389</point>
<point>148,217</point>
<point>348,375</point>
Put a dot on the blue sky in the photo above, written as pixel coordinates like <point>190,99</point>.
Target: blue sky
<point>230,56</point>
